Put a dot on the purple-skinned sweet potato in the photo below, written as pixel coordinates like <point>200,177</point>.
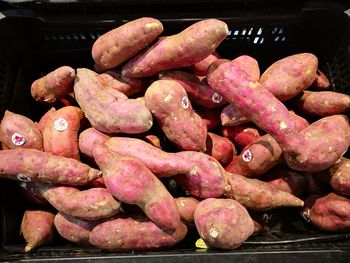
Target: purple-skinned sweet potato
<point>258,195</point>
<point>134,234</point>
<point>187,206</point>
<point>340,177</point>
<point>18,131</point>
<point>289,76</point>
<point>170,106</point>
<point>190,46</point>
<point>54,86</point>
<point>323,103</point>
<point>108,110</point>
<point>211,117</point>
<point>221,148</point>
<point>223,223</point>
<point>33,165</point>
<point>89,138</point>
<point>242,135</point>
<point>37,228</point>
<point>201,68</point>
<point>119,44</point>
<point>130,181</point>
<point>321,81</point>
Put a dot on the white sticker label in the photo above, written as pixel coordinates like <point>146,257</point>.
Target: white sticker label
<point>23,178</point>
<point>185,102</point>
<point>60,124</point>
<point>216,98</point>
<point>247,156</point>
<point>18,139</point>
<point>306,216</point>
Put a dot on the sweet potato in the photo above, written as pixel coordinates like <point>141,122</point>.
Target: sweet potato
<point>170,106</point>
<point>18,131</point>
<point>154,140</point>
<point>89,138</point>
<point>181,50</point>
<point>340,177</point>
<point>61,132</point>
<point>91,204</point>
<point>258,195</point>
<point>299,121</point>
<point>37,228</point>
<point>242,135</point>
<point>321,81</point>
<point>249,65</point>
<point>329,213</point>
<point>223,223</point>
<point>231,116</point>
<point>211,117</point>
<point>43,120</point>
<point>201,175</point>
<point>213,66</point>
<point>73,229</point>
<point>186,206</point>
<point>201,68</point>
<point>323,103</point>
<point>130,234</point>
<point>289,76</point>
<point>119,44</point>
<point>199,92</point>
<point>54,86</point>
<point>222,149</point>
<point>115,80</point>
<point>33,165</point>
<point>109,110</point>
<point>143,188</point>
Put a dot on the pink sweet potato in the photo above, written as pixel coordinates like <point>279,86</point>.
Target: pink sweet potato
<point>223,223</point>
<point>258,195</point>
<point>242,135</point>
<point>222,149</point>
<point>154,140</point>
<point>109,110</point>
<point>18,131</point>
<point>37,228</point>
<point>321,81</point>
<point>118,45</point>
<point>186,206</point>
<point>170,106</point>
<point>34,165</point>
<point>54,86</point>
<point>61,132</point>
<point>249,65</point>
<point>89,138</point>
<point>181,50</point>
<point>130,234</point>
<point>323,103</point>
<point>340,177</point>
<point>211,117</point>
<point>143,188</point>
<point>73,229</point>
<point>213,66</point>
<point>199,92</point>
<point>289,76</point>
<point>299,121</point>
<point>43,120</point>
<point>201,68</point>
<point>202,176</point>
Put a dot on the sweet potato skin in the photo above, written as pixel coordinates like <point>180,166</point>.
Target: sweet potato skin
<point>169,104</point>
<point>44,119</point>
<point>130,234</point>
<point>54,86</point>
<point>249,65</point>
<point>233,228</point>
<point>187,206</point>
<point>109,110</point>
<point>231,116</point>
<point>242,135</point>
<point>321,81</point>
<point>143,188</point>
<point>221,148</point>
<point>181,50</point>
<point>39,166</point>
<point>201,68</point>
<point>37,228</point>
<point>18,131</point>
<point>289,76</point>
<point>89,138</point>
<point>118,45</point>
<point>340,177</point>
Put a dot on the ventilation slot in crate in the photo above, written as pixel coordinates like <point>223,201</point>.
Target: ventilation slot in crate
<point>339,71</point>
<point>70,39</point>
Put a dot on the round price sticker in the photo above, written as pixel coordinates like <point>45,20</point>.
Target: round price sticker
<point>18,139</point>
<point>23,178</point>
<point>216,98</point>
<point>60,124</point>
<point>185,102</point>
<point>247,156</point>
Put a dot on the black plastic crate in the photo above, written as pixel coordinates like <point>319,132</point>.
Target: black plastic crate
<point>41,36</point>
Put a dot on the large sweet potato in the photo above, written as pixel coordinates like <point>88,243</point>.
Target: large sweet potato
<point>18,131</point>
<point>222,149</point>
<point>249,65</point>
<point>183,49</point>
<point>201,68</point>
<point>186,206</point>
<point>223,223</point>
<point>118,45</point>
<point>109,110</point>
<point>169,104</point>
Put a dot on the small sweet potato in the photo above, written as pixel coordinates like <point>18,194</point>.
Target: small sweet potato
<point>222,149</point>
<point>89,138</point>
<point>130,234</point>
<point>18,131</point>
<point>340,176</point>
<point>258,195</point>
<point>33,165</point>
<point>242,135</point>
<point>186,206</point>
<point>143,188</point>
<point>321,81</point>
<point>201,68</point>
<point>37,228</point>
<point>249,65</point>
<point>181,50</point>
<point>323,103</point>
<point>109,110</point>
<point>169,104</point>
<point>289,76</point>
<point>119,44</point>
<point>223,223</point>
<point>199,92</point>
<point>54,86</point>
<point>43,120</point>
<point>153,139</point>
<point>211,117</point>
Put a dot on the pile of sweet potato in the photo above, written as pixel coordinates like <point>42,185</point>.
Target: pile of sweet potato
<point>236,142</point>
